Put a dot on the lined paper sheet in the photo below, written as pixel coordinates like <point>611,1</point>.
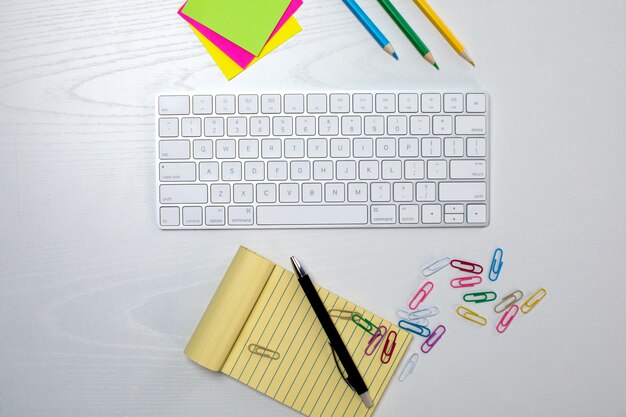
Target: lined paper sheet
<point>305,376</point>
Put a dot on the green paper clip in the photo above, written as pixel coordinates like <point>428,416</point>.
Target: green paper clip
<point>480,297</point>
<point>363,323</point>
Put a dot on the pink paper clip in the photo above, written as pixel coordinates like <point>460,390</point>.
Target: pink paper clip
<point>434,337</point>
<point>375,340</point>
<point>420,295</point>
<point>507,318</point>
<point>385,355</point>
<point>464,282</point>
<point>466,266</point>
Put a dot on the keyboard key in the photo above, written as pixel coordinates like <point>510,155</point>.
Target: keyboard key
<point>316,148</point>
<point>420,125</point>
<point>225,104</point>
<point>243,193</point>
<point>209,171</point>
<point>334,192</point>
<point>171,105</point>
<point>462,191</point>
<point>305,125</point>
<point>259,126</point>
<point>351,125</point>
<point>181,194</point>
<point>374,125</point>
<point>391,170</point>
<point>192,216</point>
<point>203,149</point>
<point>408,147</point>
<point>476,103</point>
<point>476,147</point>
<point>431,147</point>
<point>362,103</point>
<point>277,170</point>
<point>471,125</point>
<point>425,191</point>
<point>346,170</point>
<point>225,148</point>
<point>402,191</point>
<point>476,169</point>
<point>237,126</point>
<point>339,103</point>
<point>414,170</point>
<point>385,103</point>
<point>453,103</point>
<point>266,193</point>
<point>383,214</point>
<point>396,125</point>
<point>271,148</point>
<point>385,147</point>
<point>476,213</point>
<point>220,193</point>
<point>294,148</point>
<point>174,149</point>
<point>368,170</point>
<point>310,215</point>
<point>442,125</point>
<point>248,104</point>
<point>407,103</point>
<point>312,192</point>
<point>168,127</point>
<point>453,147</point>
<point>431,103</point>
<point>328,125</point>
<point>177,171</point>
<point>340,148</point>
<point>282,126</point>
<point>254,170</point>
<point>191,127</point>
<point>300,170</point>
<point>240,215</point>
<point>453,218</point>
<point>363,148</point>
<point>322,170</point>
<point>288,192</point>
<point>214,216</point>
<point>294,103</point>
<point>431,213</point>
<point>454,209</point>
<point>316,103</point>
<point>270,104</point>
<point>357,192</point>
<point>409,214</point>
<point>437,170</point>
<point>202,104</point>
<point>213,126</point>
<point>170,216</point>
<point>380,191</point>
<point>231,171</point>
<point>248,148</point>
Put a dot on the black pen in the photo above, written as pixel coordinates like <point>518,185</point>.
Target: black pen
<point>354,379</point>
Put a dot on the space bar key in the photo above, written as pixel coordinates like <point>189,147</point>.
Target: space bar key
<point>304,215</point>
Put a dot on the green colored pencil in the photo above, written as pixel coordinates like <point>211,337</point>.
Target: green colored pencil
<point>408,32</point>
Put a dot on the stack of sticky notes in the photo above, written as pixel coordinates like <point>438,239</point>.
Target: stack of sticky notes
<point>237,33</point>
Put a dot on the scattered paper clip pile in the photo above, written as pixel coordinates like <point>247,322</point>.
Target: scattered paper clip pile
<point>415,320</point>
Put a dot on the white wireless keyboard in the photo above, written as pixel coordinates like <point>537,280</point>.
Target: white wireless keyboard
<point>322,159</point>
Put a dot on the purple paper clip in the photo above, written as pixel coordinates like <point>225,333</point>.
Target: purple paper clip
<point>465,282</point>
<point>507,318</point>
<point>466,266</point>
<point>375,340</point>
<point>434,337</point>
<point>421,294</point>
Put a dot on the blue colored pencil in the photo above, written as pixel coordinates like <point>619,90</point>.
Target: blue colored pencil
<point>371,27</point>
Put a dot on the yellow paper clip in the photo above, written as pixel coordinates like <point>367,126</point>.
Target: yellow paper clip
<point>340,314</point>
<point>508,301</point>
<point>263,351</point>
<point>470,315</point>
<point>533,300</point>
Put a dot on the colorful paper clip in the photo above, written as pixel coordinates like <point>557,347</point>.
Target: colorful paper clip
<point>375,340</point>
<point>507,301</point>
<point>466,266</point>
<point>496,264</point>
<point>433,339</point>
<point>262,351</point>
<point>533,300</point>
<point>421,294</point>
<point>480,297</point>
<point>363,323</point>
<point>406,315</point>
<point>470,315</point>
<point>409,367</point>
<point>414,328</point>
<point>465,282</point>
<point>387,351</point>
<point>422,313</point>
<point>507,318</point>
<point>435,266</point>
<point>340,314</point>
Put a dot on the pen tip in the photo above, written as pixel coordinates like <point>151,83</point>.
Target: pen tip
<point>395,56</point>
<point>367,400</point>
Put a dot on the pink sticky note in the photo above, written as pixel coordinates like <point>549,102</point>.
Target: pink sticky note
<point>235,52</point>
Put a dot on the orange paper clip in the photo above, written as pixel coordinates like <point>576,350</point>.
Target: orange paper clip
<point>465,282</point>
<point>421,294</point>
<point>434,337</point>
<point>507,318</point>
<point>466,266</point>
<point>533,300</point>
<point>375,340</point>
<point>387,351</point>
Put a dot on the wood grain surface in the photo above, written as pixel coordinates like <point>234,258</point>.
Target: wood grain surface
<point>97,304</point>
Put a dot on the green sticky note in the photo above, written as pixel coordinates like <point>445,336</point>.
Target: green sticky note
<point>248,23</point>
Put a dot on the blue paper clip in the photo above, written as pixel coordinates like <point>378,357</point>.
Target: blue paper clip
<point>414,328</point>
<point>497,259</point>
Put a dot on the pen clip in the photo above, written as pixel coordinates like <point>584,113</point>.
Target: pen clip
<point>339,367</point>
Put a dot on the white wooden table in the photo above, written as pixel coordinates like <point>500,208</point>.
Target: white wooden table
<point>97,304</point>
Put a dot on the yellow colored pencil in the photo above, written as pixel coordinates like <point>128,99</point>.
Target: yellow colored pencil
<point>444,30</point>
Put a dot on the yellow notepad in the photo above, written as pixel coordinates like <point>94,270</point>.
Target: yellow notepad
<point>259,328</point>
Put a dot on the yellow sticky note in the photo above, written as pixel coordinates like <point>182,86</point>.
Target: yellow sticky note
<point>230,67</point>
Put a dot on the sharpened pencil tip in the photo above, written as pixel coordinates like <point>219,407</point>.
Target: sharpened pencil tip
<point>395,56</point>
<point>436,66</point>
<point>472,62</point>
